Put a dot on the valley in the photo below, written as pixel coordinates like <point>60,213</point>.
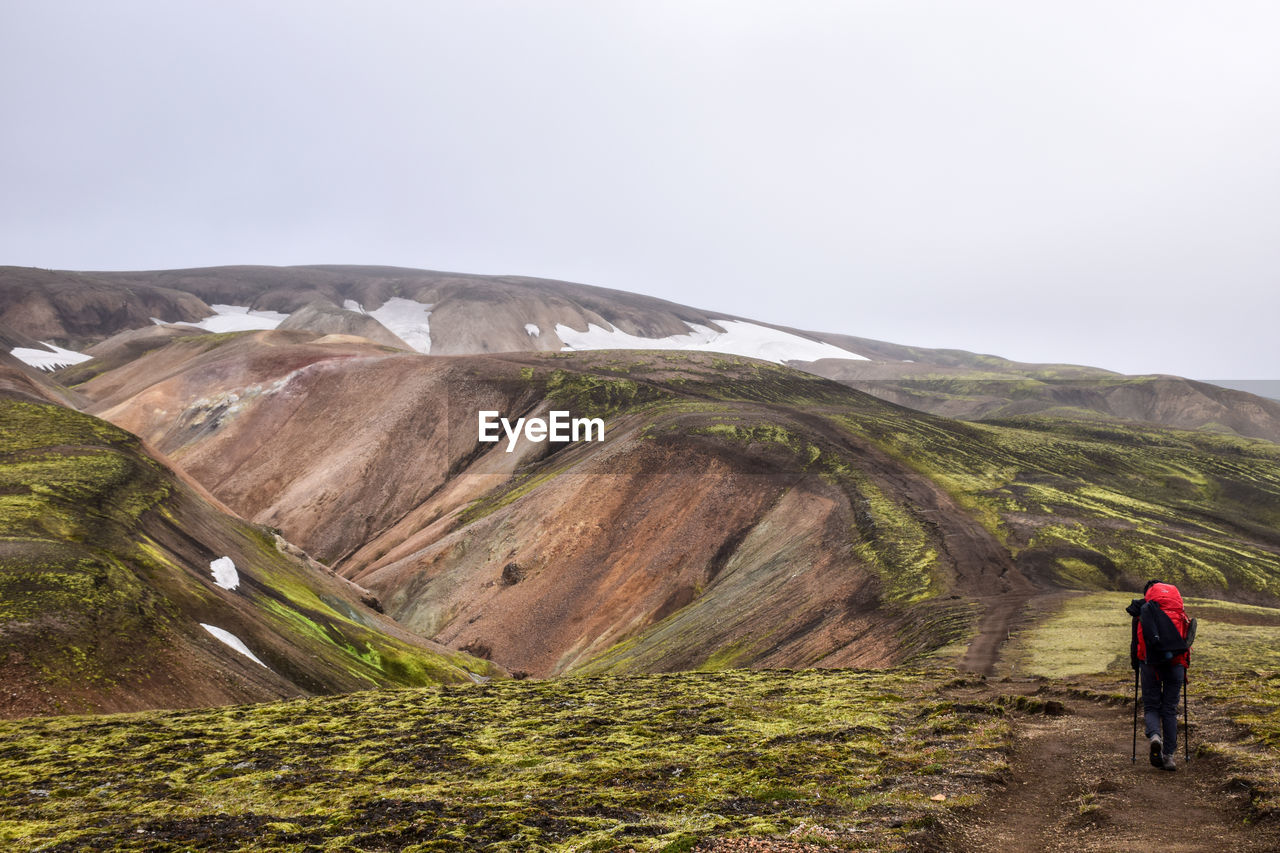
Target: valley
<point>807,591</point>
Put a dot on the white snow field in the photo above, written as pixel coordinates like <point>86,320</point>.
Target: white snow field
<point>238,318</point>
<point>224,573</point>
<point>44,360</point>
<point>234,642</point>
<point>407,320</point>
<point>533,330</point>
<point>738,338</point>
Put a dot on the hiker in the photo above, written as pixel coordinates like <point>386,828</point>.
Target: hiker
<point>1159,651</point>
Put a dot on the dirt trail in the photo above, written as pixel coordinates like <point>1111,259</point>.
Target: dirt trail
<point>1001,615</point>
<point>1073,787</point>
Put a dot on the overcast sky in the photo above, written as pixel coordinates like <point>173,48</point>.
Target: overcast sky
<point>1086,182</point>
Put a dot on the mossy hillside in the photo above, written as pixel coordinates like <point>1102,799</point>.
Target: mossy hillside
<point>1196,508</point>
<point>103,569</point>
<point>1013,391</point>
<point>344,645</point>
<point>1085,506</point>
<point>886,538</point>
<point>589,395</point>
<point>68,471</point>
<point>887,535</point>
<point>742,402</point>
<point>1200,508</point>
<point>847,759</point>
<point>641,378</point>
<point>69,484</point>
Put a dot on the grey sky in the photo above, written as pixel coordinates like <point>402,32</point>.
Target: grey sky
<point>1096,182</point>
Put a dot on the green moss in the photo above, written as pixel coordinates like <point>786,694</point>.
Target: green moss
<point>1147,501</point>
<point>63,474</point>
<point>592,396</point>
<point>89,597</point>
<point>1077,574</point>
<point>212,340</point>
<point>769,433</point>
<point>726,657</point>
<point>647,763</point>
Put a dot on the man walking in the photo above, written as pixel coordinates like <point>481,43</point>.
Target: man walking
<point>1159,651</point>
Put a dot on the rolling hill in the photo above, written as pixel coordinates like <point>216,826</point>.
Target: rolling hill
<point>715,567</point>
<point>126,586</point>
<point>458,314</point>
<point>737,512</point>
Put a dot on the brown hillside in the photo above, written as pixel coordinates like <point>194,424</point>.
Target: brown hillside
<point>730,551</point>
<point>79,309</point>
<point>105,570</point>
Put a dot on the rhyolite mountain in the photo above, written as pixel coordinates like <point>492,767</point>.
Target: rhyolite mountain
<point>738,512</point>
<point>109,598</point>
<point>457,314</point>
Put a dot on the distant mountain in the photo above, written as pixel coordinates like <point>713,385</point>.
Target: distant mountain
<point>457,314</point>
<point>1269,388</point>
<point>738,512</point>
<point>1000,389</point>
<point>77,309</point>
<point>436,312</point>
<point>126,586</point>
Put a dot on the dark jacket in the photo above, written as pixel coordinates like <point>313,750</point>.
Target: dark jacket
<point>1166,595</point>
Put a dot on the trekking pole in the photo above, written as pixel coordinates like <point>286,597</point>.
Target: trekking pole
<point>1135,716</point>
<point>1186,722</point>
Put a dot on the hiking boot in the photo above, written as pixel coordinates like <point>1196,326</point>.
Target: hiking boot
<point>1167,763</point>
<point>1157,750</point>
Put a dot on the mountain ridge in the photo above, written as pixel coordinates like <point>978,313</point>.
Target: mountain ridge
<point>727,490</point>
<point>473,314</point>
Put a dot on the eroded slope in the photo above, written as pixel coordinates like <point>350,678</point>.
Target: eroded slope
<point>106,566</point>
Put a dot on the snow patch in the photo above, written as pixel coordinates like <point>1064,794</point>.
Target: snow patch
<point>224,573</point>
<point>50,359</point>
<point>234,642</point>
<point>237,318</point>
<point>352,305</point>
<point>533,330</point>
<point>739,338</point>
<point>408,320</point>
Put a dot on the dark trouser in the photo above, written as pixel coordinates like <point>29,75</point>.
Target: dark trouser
<point>1160,689</point>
